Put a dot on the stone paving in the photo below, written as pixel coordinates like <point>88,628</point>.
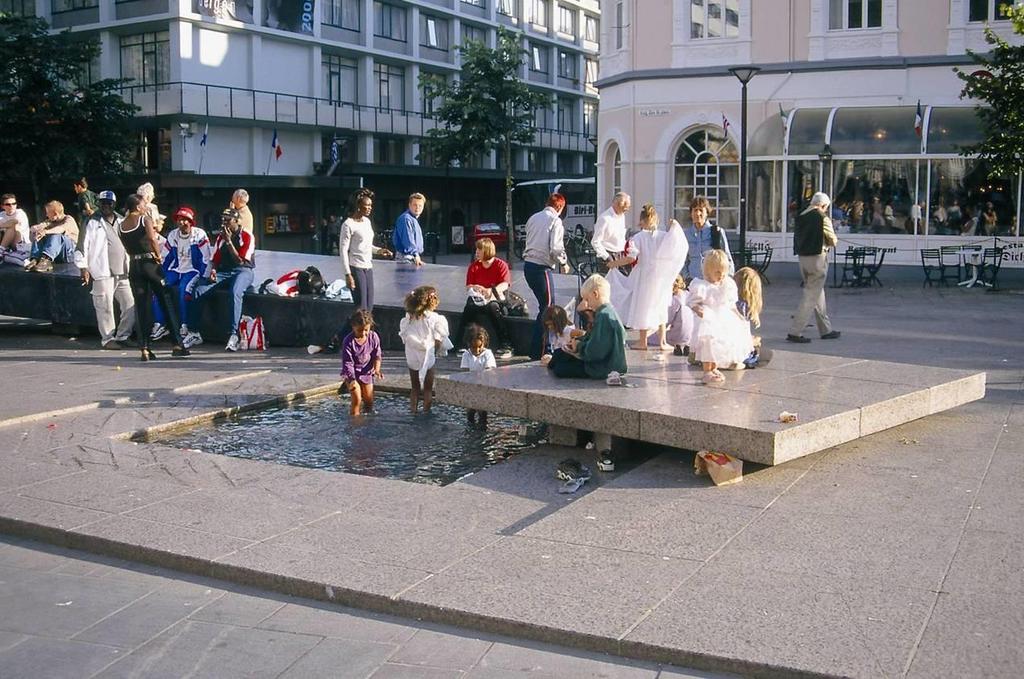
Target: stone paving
<point>69,614</point>
<point>863,560</point>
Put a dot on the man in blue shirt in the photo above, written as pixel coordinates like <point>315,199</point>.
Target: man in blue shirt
<point>702,236</point>
<point>408,236</point>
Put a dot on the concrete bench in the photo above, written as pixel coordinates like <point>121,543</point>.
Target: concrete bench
<point>837,399</point>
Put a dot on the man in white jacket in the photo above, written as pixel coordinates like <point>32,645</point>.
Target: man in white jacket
<point>102,260</point>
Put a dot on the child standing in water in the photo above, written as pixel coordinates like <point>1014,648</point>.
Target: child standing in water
<point>425,334</point>
<point>476,359</point>
<point>360,361</point>
<point>722,336</point>
<point>749,305</point>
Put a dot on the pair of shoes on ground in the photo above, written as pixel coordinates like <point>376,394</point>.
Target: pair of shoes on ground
<point>503,353</point>
<point>800,339</point>
<point>681,350</point>
<point>41,265</point>
<point>713,377</point>
<point>573,475</point>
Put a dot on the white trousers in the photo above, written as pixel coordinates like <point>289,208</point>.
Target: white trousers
<point>105,292</point>
<point>813,269</point>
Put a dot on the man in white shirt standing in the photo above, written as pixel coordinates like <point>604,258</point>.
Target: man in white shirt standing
<point>14,229</point>
<point>102,261</point>
<point>609,240</point>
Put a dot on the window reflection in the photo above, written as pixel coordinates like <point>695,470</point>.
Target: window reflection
<point>874,196</point>
<point>966,202</point>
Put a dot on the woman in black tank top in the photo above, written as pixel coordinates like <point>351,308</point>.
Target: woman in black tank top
<point>147,277</point>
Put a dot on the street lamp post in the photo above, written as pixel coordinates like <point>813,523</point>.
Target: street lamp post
<point>744,74</point>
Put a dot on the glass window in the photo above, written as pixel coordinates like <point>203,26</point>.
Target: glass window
<point>965,201</point>
<point>708,165</point>
<point>389,151</point>
<point>883,130</point>
<point>390,86</point>
<point>434,80</point>
<point>807,131</point>
<point>507,7</point>
<point>848,14</point>
<point>538,160</point>
<point>591,28</point>
<point>768,137</point>
<point>987,10</point>
<point>18,8</point>
<point>803,182</point>
<point>389,21</point>
<point>433,32</point>
<point>874,196</point>
<point>566,20</point>
<point>617,171</point>
<point>589,117</point>
<point>714,19</point>
<point>146,58</point>
<point>566,163</point>
<point>538,58</point>
<point>949,129</point>
<point>566,114</point>
<point>619,17</point>
<point>537,12</point>
<point>567,65</point>
<point>58,6</point>
<point>475,3</point>
<point>474,33</point>
<point>543,117</point>
<point>340,79</point>
<point>591,75</point>
<point>765,191</point>
<point>342,13</point>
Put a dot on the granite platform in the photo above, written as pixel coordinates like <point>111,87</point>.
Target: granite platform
<point>837,400</point>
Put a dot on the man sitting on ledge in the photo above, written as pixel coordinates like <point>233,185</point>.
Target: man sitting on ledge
<point>603,349</point>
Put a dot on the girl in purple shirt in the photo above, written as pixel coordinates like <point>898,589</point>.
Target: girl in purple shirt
<point>360,361</point>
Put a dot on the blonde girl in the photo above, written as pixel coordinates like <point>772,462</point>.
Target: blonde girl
<point>721,336</point>
<point>425,334</point>
<point>749,305</point>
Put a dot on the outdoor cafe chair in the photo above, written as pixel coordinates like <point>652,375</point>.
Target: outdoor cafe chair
<point>931,263</point>
<point>991,261</point>
<point>952,263</point>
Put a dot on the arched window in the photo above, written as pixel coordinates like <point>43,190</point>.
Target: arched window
<point>617,172</point>
<point>708,165</point>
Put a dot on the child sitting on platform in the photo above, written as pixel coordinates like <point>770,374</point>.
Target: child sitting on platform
<point>722,336</point>
<point>558,331</point>
<point>360,361</point>
<point>476,359</point>
<point>425,334</point>
<point>603,349</point>
<point>749,305</point>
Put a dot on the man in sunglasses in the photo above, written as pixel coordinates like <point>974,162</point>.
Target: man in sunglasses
<point>14,230</point>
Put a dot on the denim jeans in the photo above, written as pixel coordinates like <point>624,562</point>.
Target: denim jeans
<point>178,284</point>
<point>541,283</point>
<point>238,281</point>
<point>57,247</point>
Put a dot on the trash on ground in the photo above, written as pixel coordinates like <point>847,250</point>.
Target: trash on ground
<point>722,468</point>
<point>787,417</point>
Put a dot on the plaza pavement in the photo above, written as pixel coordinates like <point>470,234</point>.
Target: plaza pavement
<point>896,555</point>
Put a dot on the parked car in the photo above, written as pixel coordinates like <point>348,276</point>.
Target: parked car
<point>496,232</point>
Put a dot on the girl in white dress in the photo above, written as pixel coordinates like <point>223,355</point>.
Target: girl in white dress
<point>658,256</point>
<point>721,336</point>
<point>680,320</point>
<point>425,334</point>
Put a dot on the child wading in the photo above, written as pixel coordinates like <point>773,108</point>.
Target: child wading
<point>425,334</point>
<point>360,361</point>
<point>721,335</point>
<point>476,359</point>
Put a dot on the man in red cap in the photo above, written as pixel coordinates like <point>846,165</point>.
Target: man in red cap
<point>186,255</point>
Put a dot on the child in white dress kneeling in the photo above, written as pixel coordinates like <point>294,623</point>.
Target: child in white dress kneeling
<point>425,334</point>
<point>476,359</point>
<point>721,336</point>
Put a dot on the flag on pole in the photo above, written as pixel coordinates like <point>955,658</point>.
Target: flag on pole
<point>784,116</point>
<point>206,131</point>
<point>276,146</point>
<point>334,152</point>
<point>725,125</point>
<point>918,120</point>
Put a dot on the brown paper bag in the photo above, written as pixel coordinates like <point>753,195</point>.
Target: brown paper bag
<point>723,469</point>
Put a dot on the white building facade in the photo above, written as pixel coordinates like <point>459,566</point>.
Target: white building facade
<point>833,109</point>
<point>339,83</point>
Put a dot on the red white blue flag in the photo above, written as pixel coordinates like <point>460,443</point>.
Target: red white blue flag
<point>276,145</point>
<point>918,120</point>
<point>725,125</point>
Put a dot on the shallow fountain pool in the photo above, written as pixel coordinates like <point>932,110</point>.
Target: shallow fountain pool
<point>437,448</point>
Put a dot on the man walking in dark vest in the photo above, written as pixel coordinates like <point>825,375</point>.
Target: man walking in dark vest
<point>811,241</point>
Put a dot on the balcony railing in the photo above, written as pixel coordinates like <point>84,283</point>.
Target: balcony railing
<point>204,101</point>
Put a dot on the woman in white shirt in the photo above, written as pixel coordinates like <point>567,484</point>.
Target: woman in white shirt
<point>357,248</point>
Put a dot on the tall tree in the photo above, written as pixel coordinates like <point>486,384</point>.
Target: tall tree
<point>56,126</point>
<point>487,108</point>
<point>999,84</point>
